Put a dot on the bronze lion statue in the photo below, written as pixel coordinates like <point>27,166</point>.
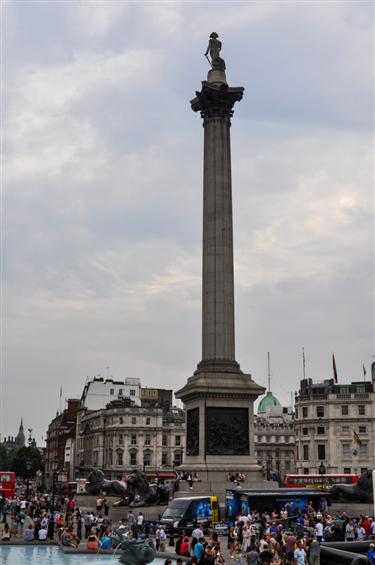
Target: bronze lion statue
<point>359,492</point>
<point>96,483</point>
<point>141,493</point>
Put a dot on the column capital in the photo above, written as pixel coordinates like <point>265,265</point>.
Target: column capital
<point>216,101</point>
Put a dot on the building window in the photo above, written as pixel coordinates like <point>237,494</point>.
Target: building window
<point>305,470</point>
<point>296,413</point>
<point>305,431</point>
<point>134,420</point>
<point>121,439</point>
<point>148,421</point>
<point>321,452</point>
<point>363,470</point>
<point>164,459</point>
<point>344,410</point>
<point>132,392</point>
<point>133,439</point>
<point>133,458</point>
<point>178,441</point>
<point>320,430</point>
<point>111,391</point>
<point>177,458</point>
<point>361,410</point>
<point>362,429</point>
<point>147,439</point>
<point>305,452</point>
<point>119,458</point>
<point>363,451</point>
<point>361,388</point>
<point>147,459</point>
<point>345,429</point>
<point>346,450</point>
<point>347,470</point>
<point>164,440</point>
<point>305,412</point>
<point>120,391</point>
<point>320,411</point>
<point>121,420</point>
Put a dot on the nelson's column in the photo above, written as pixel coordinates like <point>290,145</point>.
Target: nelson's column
<point>219,397</point>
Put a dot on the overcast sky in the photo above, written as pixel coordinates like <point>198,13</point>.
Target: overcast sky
<point>102,193</point>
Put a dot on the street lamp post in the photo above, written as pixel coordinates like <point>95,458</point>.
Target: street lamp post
<point>55,467</point>
<point>28,469</point>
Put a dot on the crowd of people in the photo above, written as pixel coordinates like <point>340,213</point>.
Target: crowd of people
<point>38,518</point>
<point>253,539</point>
<point>276,538</point>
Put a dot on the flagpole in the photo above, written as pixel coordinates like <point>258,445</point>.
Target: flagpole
<point>335,378</point>
<point>303,362</point>
<point>269,372</point>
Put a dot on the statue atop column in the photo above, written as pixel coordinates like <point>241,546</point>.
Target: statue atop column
<point>214,48</point>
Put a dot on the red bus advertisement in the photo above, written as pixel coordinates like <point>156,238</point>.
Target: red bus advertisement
<point>160,478</point>
<point>7,483</point>
<point>319,482</point>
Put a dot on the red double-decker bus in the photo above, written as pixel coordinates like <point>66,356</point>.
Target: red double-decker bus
<point>319,482</point>
<point>7,483</point>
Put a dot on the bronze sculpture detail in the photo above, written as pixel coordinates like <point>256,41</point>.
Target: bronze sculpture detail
<point>214,48</point>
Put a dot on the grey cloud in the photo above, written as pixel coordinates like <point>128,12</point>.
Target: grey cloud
<point>103,193</point>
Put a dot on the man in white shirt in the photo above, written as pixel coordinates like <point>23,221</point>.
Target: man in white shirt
<point>361,533</point>
<point>140,521</point>
<point>300,554</point>
<point>42,534</point>
<point>197,533</point>
<point>319,531</point>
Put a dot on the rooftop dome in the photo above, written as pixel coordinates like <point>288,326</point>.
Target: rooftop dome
<point>266,402</point>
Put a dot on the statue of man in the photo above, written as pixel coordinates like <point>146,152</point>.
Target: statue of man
<point>214,48</point>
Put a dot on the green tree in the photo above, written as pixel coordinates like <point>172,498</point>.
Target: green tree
<point>4,459</point>
<point>19,462</point>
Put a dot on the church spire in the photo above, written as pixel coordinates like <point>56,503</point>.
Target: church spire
<point>21,436</point>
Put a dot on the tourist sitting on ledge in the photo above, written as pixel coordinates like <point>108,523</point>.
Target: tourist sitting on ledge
<point>29,533</point>
<point>6,533</point>
<point>42,534</point>
<point>106,541</point>
<point>68,538</point>
<point>92,542</point>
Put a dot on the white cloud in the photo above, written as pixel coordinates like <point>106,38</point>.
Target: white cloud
<point>103,191</point>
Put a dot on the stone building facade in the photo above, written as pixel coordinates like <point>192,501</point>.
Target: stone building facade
<point>61,430</point>
<point>335,426</point>
<point>124,436</point>
<point>98,392</point>
<point>274,437</point>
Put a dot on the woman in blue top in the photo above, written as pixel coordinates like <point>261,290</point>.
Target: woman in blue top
<point>106,541</point>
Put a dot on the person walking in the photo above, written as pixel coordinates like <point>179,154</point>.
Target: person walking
<point>87,520</point>
<point>300,554</point>
<point>314,552</point>
<point>140,520</point>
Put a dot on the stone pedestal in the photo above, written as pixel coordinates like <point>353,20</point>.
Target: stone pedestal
<point>219,424</point>
<point>219,397</point>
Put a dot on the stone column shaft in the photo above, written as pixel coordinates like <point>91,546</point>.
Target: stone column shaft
<point>218,285</point>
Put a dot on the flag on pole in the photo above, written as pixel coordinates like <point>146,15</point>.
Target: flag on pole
<point>357,439</point>
<point>303,362</point>
<point>364,371</point>
<point>334,369</point>
<point>60,391</point>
